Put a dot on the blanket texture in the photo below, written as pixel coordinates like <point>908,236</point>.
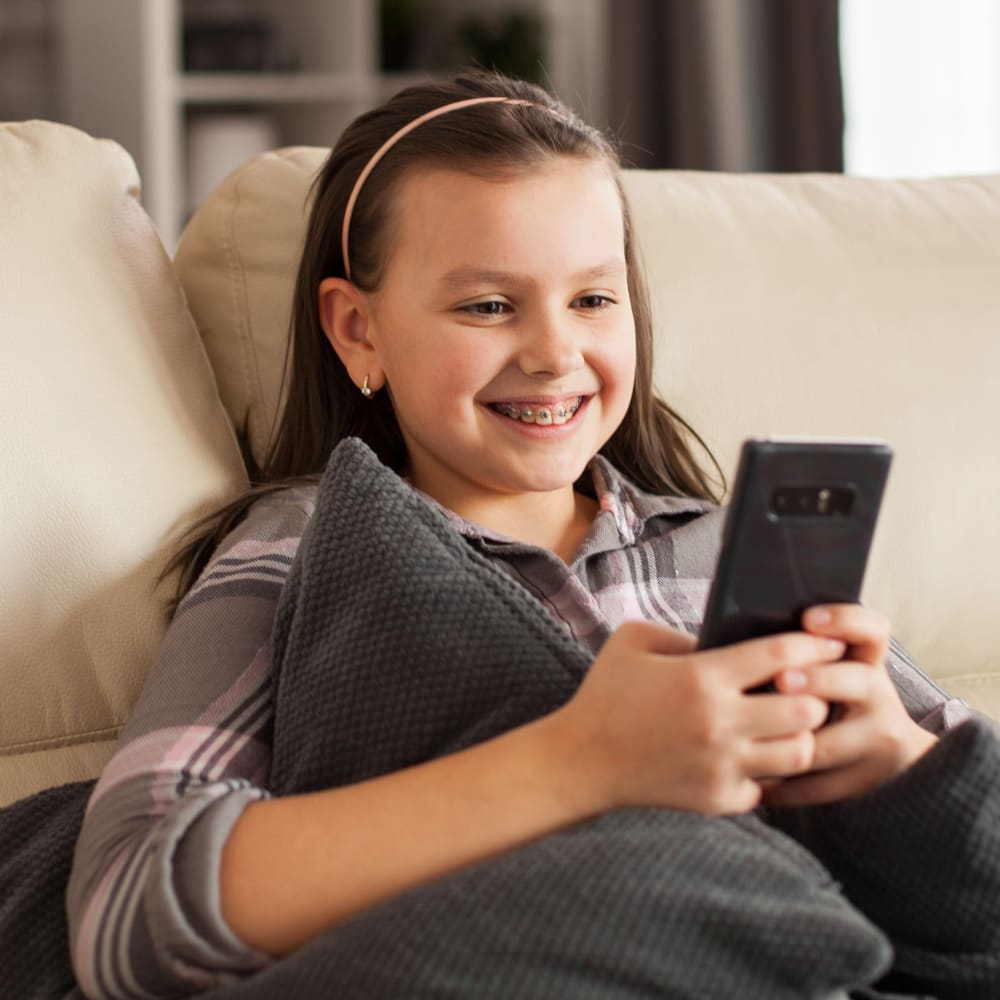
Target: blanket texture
<point>395,642</point>
<point>37,837</point>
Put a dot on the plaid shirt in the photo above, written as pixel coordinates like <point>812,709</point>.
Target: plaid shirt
<point>145,916</point>
<point>625,569</point>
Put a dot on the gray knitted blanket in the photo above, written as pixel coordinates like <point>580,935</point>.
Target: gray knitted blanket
<point>37,835</point>
<point>395,642</point>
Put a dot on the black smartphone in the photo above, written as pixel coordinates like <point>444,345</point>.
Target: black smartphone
<point>797,533</point>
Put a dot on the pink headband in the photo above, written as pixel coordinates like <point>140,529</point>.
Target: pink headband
<point>390,142</point>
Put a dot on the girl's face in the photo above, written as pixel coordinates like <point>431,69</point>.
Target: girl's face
<point>504,329</point>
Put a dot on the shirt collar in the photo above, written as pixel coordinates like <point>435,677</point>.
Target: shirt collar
<point>628,507</point>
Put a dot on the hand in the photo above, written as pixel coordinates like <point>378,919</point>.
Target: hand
<point>873,738</point>
<point>656,723</point>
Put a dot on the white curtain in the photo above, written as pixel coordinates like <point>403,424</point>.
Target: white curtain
<point>921,85</point>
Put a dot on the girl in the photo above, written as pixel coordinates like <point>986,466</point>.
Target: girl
<point>469,304</point>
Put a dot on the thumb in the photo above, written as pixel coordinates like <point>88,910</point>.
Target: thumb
<point>656,638</point>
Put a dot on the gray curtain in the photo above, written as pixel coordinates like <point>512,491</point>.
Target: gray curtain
<point>728,84</point>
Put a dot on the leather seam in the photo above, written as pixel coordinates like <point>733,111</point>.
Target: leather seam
<point>55,742</point>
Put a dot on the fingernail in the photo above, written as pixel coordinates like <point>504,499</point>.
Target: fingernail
<point>819,616</point>
<point>794,680</point>
<point>836,647</point>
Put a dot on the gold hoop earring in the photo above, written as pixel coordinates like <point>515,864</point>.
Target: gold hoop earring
<point>366,389</point>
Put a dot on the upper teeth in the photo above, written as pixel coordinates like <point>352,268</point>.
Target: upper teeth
<point>557,414</point>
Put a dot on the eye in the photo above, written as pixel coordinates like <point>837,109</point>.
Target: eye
<point>491,307</point>
<point>593,303</point>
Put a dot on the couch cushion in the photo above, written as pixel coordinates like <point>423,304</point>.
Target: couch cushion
<point>834,305</point>
<point>237,259</point>
<point>797,304</point>
<point>112,434</point>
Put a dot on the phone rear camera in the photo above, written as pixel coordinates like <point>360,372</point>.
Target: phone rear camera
<point>812,501</point>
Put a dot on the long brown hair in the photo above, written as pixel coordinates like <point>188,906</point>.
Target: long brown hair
<point>652,445</point>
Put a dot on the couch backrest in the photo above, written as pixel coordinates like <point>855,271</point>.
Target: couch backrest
<point>112,436</point>
<point>801,304</point>
<point>836,305</point>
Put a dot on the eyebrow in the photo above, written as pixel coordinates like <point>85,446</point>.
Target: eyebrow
<point>462,277</point>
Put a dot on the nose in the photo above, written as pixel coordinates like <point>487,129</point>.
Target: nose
<point>551,346</point>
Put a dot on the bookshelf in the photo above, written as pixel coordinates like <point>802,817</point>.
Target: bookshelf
<point>124,77</point>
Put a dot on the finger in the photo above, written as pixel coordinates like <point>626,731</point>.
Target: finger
<point>756,661</point>
<point>845,682</point>
<point>780,758</point>
<point>842,744</point>
<point>653,637</point>
<point>865,632</point>
<point>641,637</point>
<point>742,799</point>
<point>816,788</point>
<point>771,716</point>
<point>840,768</point>
<point>672,642</point>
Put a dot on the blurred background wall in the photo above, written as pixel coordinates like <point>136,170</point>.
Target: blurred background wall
<point>890,87</point>
<point>28,72</point>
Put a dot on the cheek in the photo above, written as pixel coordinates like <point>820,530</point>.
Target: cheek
<point>466,365</point>
<point>618,359</point>
<point>439,382</point>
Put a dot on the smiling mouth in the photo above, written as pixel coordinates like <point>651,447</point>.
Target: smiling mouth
<point>541,413</point>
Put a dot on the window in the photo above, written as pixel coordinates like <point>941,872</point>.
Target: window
<point>921,86</point>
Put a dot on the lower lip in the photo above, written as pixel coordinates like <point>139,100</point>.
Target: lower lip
<point>542,432</point>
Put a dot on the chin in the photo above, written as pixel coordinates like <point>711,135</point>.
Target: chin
<point>551,480</point>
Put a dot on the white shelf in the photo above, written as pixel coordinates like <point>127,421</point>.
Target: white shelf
<point>122,77</point>
<point>268,88</point>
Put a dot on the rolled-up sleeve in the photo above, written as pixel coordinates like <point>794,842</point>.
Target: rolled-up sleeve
<point>925,700</point>
<point>143,902</point>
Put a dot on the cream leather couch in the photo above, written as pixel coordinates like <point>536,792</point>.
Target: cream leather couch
<point>795,304</point>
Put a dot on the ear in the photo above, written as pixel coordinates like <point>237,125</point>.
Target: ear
<point>345,316</point>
